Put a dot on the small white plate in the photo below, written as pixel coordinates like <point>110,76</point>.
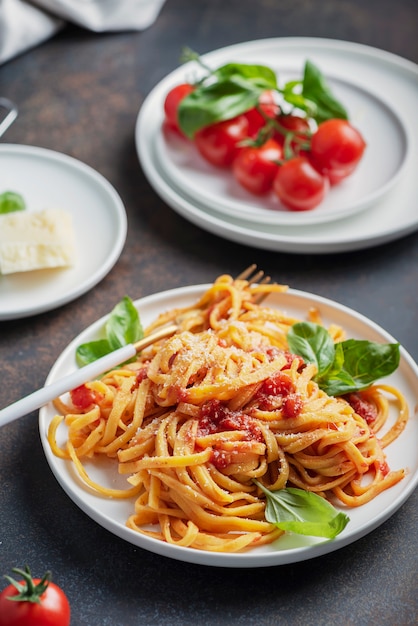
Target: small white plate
<point>48,179</point>
<point>379,170</point>
<point>112,513</point>
<point>370,79</point>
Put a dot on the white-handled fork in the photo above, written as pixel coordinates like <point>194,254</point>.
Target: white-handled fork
<point>91,371</point>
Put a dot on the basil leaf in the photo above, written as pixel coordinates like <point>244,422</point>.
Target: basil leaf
<point>339,384</point>
<point>346,366</point>
<point>364,362</point>
<point>260,76</point>
<point>313,343</point>
<point>91,351</point>
<point>11,201</point>
<point>303,512</point>
<point>215,103</point>
<point>313,95</point>
<point>223,94</point>
<point>316,90</point>
<point>123,325</point>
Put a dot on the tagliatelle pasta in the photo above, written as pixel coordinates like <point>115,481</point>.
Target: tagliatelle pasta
<point>200,416</point>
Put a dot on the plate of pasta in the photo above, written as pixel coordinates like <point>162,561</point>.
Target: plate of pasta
<point>180,451</point>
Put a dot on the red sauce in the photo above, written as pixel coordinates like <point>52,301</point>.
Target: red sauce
<point>82,397</point>
<point>272,352</point>
<point>278,392</point>
<point>384,468</point>
<point>220,459</point>
<point>215,417</point>
<point>278,385</point>
<point>366,409</point>
<point>141,375</point>
<point>292,405</point>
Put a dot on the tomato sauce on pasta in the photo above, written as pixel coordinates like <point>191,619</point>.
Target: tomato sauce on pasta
<point>199,416</point>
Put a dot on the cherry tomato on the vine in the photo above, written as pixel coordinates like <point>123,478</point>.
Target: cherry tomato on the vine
<point>292,124</point>
<point>38,602</point>
<point>336,149</point>
<point>256,116</point>
<point>171,104</point>
<point>218,143</point>
<point>298,185</point>
<point>255,167</point>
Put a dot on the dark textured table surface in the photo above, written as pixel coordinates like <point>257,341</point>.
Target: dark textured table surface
<point>80,94</point>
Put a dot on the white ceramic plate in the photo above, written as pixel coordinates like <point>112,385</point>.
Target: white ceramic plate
<point>385,183</point>
<point>112,514</point>
<point>216,188</point>
<point>48,179</point>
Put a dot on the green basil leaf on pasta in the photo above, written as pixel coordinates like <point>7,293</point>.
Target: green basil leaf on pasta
<point>346,366</point>
<point>364,363</point>
<point>123,326</point>
<point>91,351</point>
<point>313,343</point>
<point>303,512</point>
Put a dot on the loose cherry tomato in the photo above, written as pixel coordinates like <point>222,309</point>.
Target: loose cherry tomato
<point>298,185</point>
<point>336,149</point>
<point>255,167</point>
<point>294,124</point>
<point>218,143</point>
<point>36,602</point>
<point>267,107</point>
<point>171,104</point>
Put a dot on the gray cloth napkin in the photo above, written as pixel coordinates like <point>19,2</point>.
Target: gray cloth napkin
<point>27,23</point>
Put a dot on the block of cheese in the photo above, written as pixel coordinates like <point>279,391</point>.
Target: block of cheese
<point>36,240</point>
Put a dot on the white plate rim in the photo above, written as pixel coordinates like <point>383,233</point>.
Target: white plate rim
<point>119,235</point>
<point>155,303</point>
<point>334,237</point>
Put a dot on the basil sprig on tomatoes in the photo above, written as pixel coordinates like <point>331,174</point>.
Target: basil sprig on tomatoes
<point>227,91</point>
<point>346,366</point>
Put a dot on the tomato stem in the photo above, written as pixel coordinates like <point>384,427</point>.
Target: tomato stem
<point>28,590</point>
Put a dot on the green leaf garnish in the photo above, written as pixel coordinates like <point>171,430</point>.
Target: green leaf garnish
<point>344,367</point>
<point>303,512</point>
<point>233,89</point>
<point>316,90</point>
<point>11,201</point>
<point>122,327</point>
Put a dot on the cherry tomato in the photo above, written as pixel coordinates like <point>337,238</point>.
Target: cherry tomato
<point>298,185</point>
<point>255,167</point>
<point>82,397</point>
<point>218,143</point>
<point>171,104</point>
<point>41,602</point>
<point>266,107</point>
<point>336,149</point>
<point>294,124</point>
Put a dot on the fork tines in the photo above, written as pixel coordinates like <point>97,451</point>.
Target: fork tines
<point>252,278</point>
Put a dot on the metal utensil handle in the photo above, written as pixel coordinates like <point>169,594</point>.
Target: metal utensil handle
<point>42,396</point>
<point>11,114</point>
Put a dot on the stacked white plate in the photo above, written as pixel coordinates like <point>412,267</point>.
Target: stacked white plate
<point>375,205</point>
